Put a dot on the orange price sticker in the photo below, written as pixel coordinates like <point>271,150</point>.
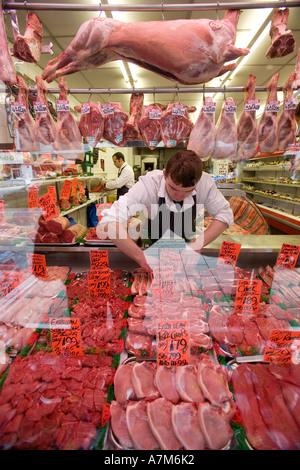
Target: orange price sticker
<point>2,212</point>
<point>99,283</point>
<point>283,347</point>
<point>247,296</point>
<point>65,192</point>
<point>170,258</point>
<point>33,198</point>
<point>66,337</point>
<point>288,256</point>
<point>105,413</point>
<point>48,207</point>
<point>81,188</point>
<point>8,282</point>
<point>99,259</point>
<point>74,186</point>
<point>37,264</point>
<point>52,192</point>
<point>173,345</point>
<point>228,254</point>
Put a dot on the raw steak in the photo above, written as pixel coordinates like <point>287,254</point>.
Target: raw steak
<point>24,123</point>
<point>215,427</point>
<point>175,124</point>
<point>213,382</point>
<point>123,387</point>
<point>184,51</point>
<point>287,120</point>
<point>91,122</point>
<point>131,131</point>
<point>283,42</point>
<point>187,385</point>
<point>226,137</point>
<point>268,123</point>
<point>203,135</point>
<point>247,127</point>
<point>149,124</point>
<point>119,425</point>
<point>7,68</point>
<point>73,233</point>
<point>143,380</point>
<point>186,426</point>
<point>159,414</point>
<point>68,137</point>
<point>136,343</point>
<point>29,47</point>
<point>165,382</point>
<point>114,123</point>
<point>291,394</point>
<point>44,130</point>
<point>138,426</point>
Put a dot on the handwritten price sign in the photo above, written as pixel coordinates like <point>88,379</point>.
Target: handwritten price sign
<point>247,296</point>
<point>81,188</point>
<point>99,283</point>
<point>2,212</point>
<point>48,207</point>
<point>65,192</point>
<point>52,192</point>
<point>33,198</point>
<point>74,187</point>
<point>66,337</point>
<point>163,281</point>
<point>8,282</point>
<point>283,347</point>
<point>99,259</point>
<point>173,343</point>
<point>288,256</point>
<point>37,264</point>
<point>228,254</point>
<point>169,258</point>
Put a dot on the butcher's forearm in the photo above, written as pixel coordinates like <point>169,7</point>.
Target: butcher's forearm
<point>119,236</point>
<point>212,232</point>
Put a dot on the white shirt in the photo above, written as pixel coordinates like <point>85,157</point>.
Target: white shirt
<point>126,178</point>
<point>143,197</point>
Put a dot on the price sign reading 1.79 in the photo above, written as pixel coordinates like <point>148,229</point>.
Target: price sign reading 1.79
<point>173,343</point>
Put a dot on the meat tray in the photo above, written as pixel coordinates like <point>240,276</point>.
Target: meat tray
<point>98,242</point>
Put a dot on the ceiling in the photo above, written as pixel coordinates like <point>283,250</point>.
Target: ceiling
<point>60,27</point>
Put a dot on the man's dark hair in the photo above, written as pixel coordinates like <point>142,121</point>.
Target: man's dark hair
<point>184,168</point>
<point>119,156</point>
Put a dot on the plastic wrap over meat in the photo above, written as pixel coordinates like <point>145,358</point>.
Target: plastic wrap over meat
<point>44,131</point>
<point>149,124</point>
<point>203,135</point>
<point>24,122</point>
<point>287,118</point>
<point>226,137</point>
<point>175,124</point>
<point>114,124</point>
<point>268,123</point>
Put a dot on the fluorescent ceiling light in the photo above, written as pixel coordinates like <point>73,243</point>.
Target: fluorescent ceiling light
<point>124,72</point>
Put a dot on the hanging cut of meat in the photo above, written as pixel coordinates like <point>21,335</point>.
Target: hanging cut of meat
<point>203,135</point>
<point>68,137</point>
<point>44,130</point>
<point>247,127</point>
<point>91,122</point>
<point>185,51</point>
<point>149,124</point>
<point>114,124</point>
<point>268,123</point>
<point>287,119</point>
<point>296,84</point>
<point>226,137</point>
<point>175,124</point>
<point>283,41</point>
<point>7,69</point>
<point>29,47</point>
<point>131,131</point>
<point>24,123</point>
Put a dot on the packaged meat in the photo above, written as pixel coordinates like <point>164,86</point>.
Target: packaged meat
<point>44,130</point>
<point>24,122</point>
<point>203,135</point>
<point>268,123</point>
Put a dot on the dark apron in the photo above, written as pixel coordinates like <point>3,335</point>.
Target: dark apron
<point>123,190</point>
<point>177,222</point>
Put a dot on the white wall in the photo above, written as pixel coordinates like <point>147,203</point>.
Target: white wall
<point>110,169</point>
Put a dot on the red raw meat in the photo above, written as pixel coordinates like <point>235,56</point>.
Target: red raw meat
<point>159,414</point>
<point>287,120</point>
<point>165,382</point>
<point>7,68</point>
<point>29,47</point>
<point>213,382</point>
<point>268,123</point>
<point>24,123</point>
<point>44,125</point>
<point>143,380</point>
<point>138,426</point>
<point>247,127</point>
<point>203,135</point>
<point>283,42</point>
<point>184,51</point>
<point>131,131</point>
<point>175,124</point>
<point>149,124</point>
<point>56,225</point>
<point>226,137</point>
<point>186,426</point>
<point>215,427</point>
<point>91,122</point>
<point>114,123</point>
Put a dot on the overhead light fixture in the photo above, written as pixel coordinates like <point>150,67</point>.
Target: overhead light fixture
<point>124,72</point>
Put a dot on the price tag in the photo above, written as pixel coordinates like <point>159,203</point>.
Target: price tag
<point>163,281</point>
<point>33,190</point>
<point>37,264</point>
<point>173,343</point>
<point>18,108</point>
<point>2,212</point>
<point>169,258</point>
<point>290,104</point>
<point>8,282</point>
<point>52,192</point>
<point>81,188</point>
<point>62,105</point>
<point>101,207</point>
<point>155,113</point>
<point>48,207</point>
<point>99,283</point>
<point>228,254</point>
<point>99,259</point>
<point>209,107</point>
<point>105,413</point>
<point>66,337</point>
<point>40,107</point>
<point>283,347</point>
<point>247,296</point>
<point>65,192</point>
<point>178,110</point>
<point>252,105</point>
<point>272,106</point>
<point>107,109</point>
<point>74,186</point>
<point>85,108</point>
<point>288,256</point>
<point>230,107</point>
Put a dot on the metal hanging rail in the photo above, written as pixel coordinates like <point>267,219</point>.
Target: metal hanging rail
<point>149,7</point>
